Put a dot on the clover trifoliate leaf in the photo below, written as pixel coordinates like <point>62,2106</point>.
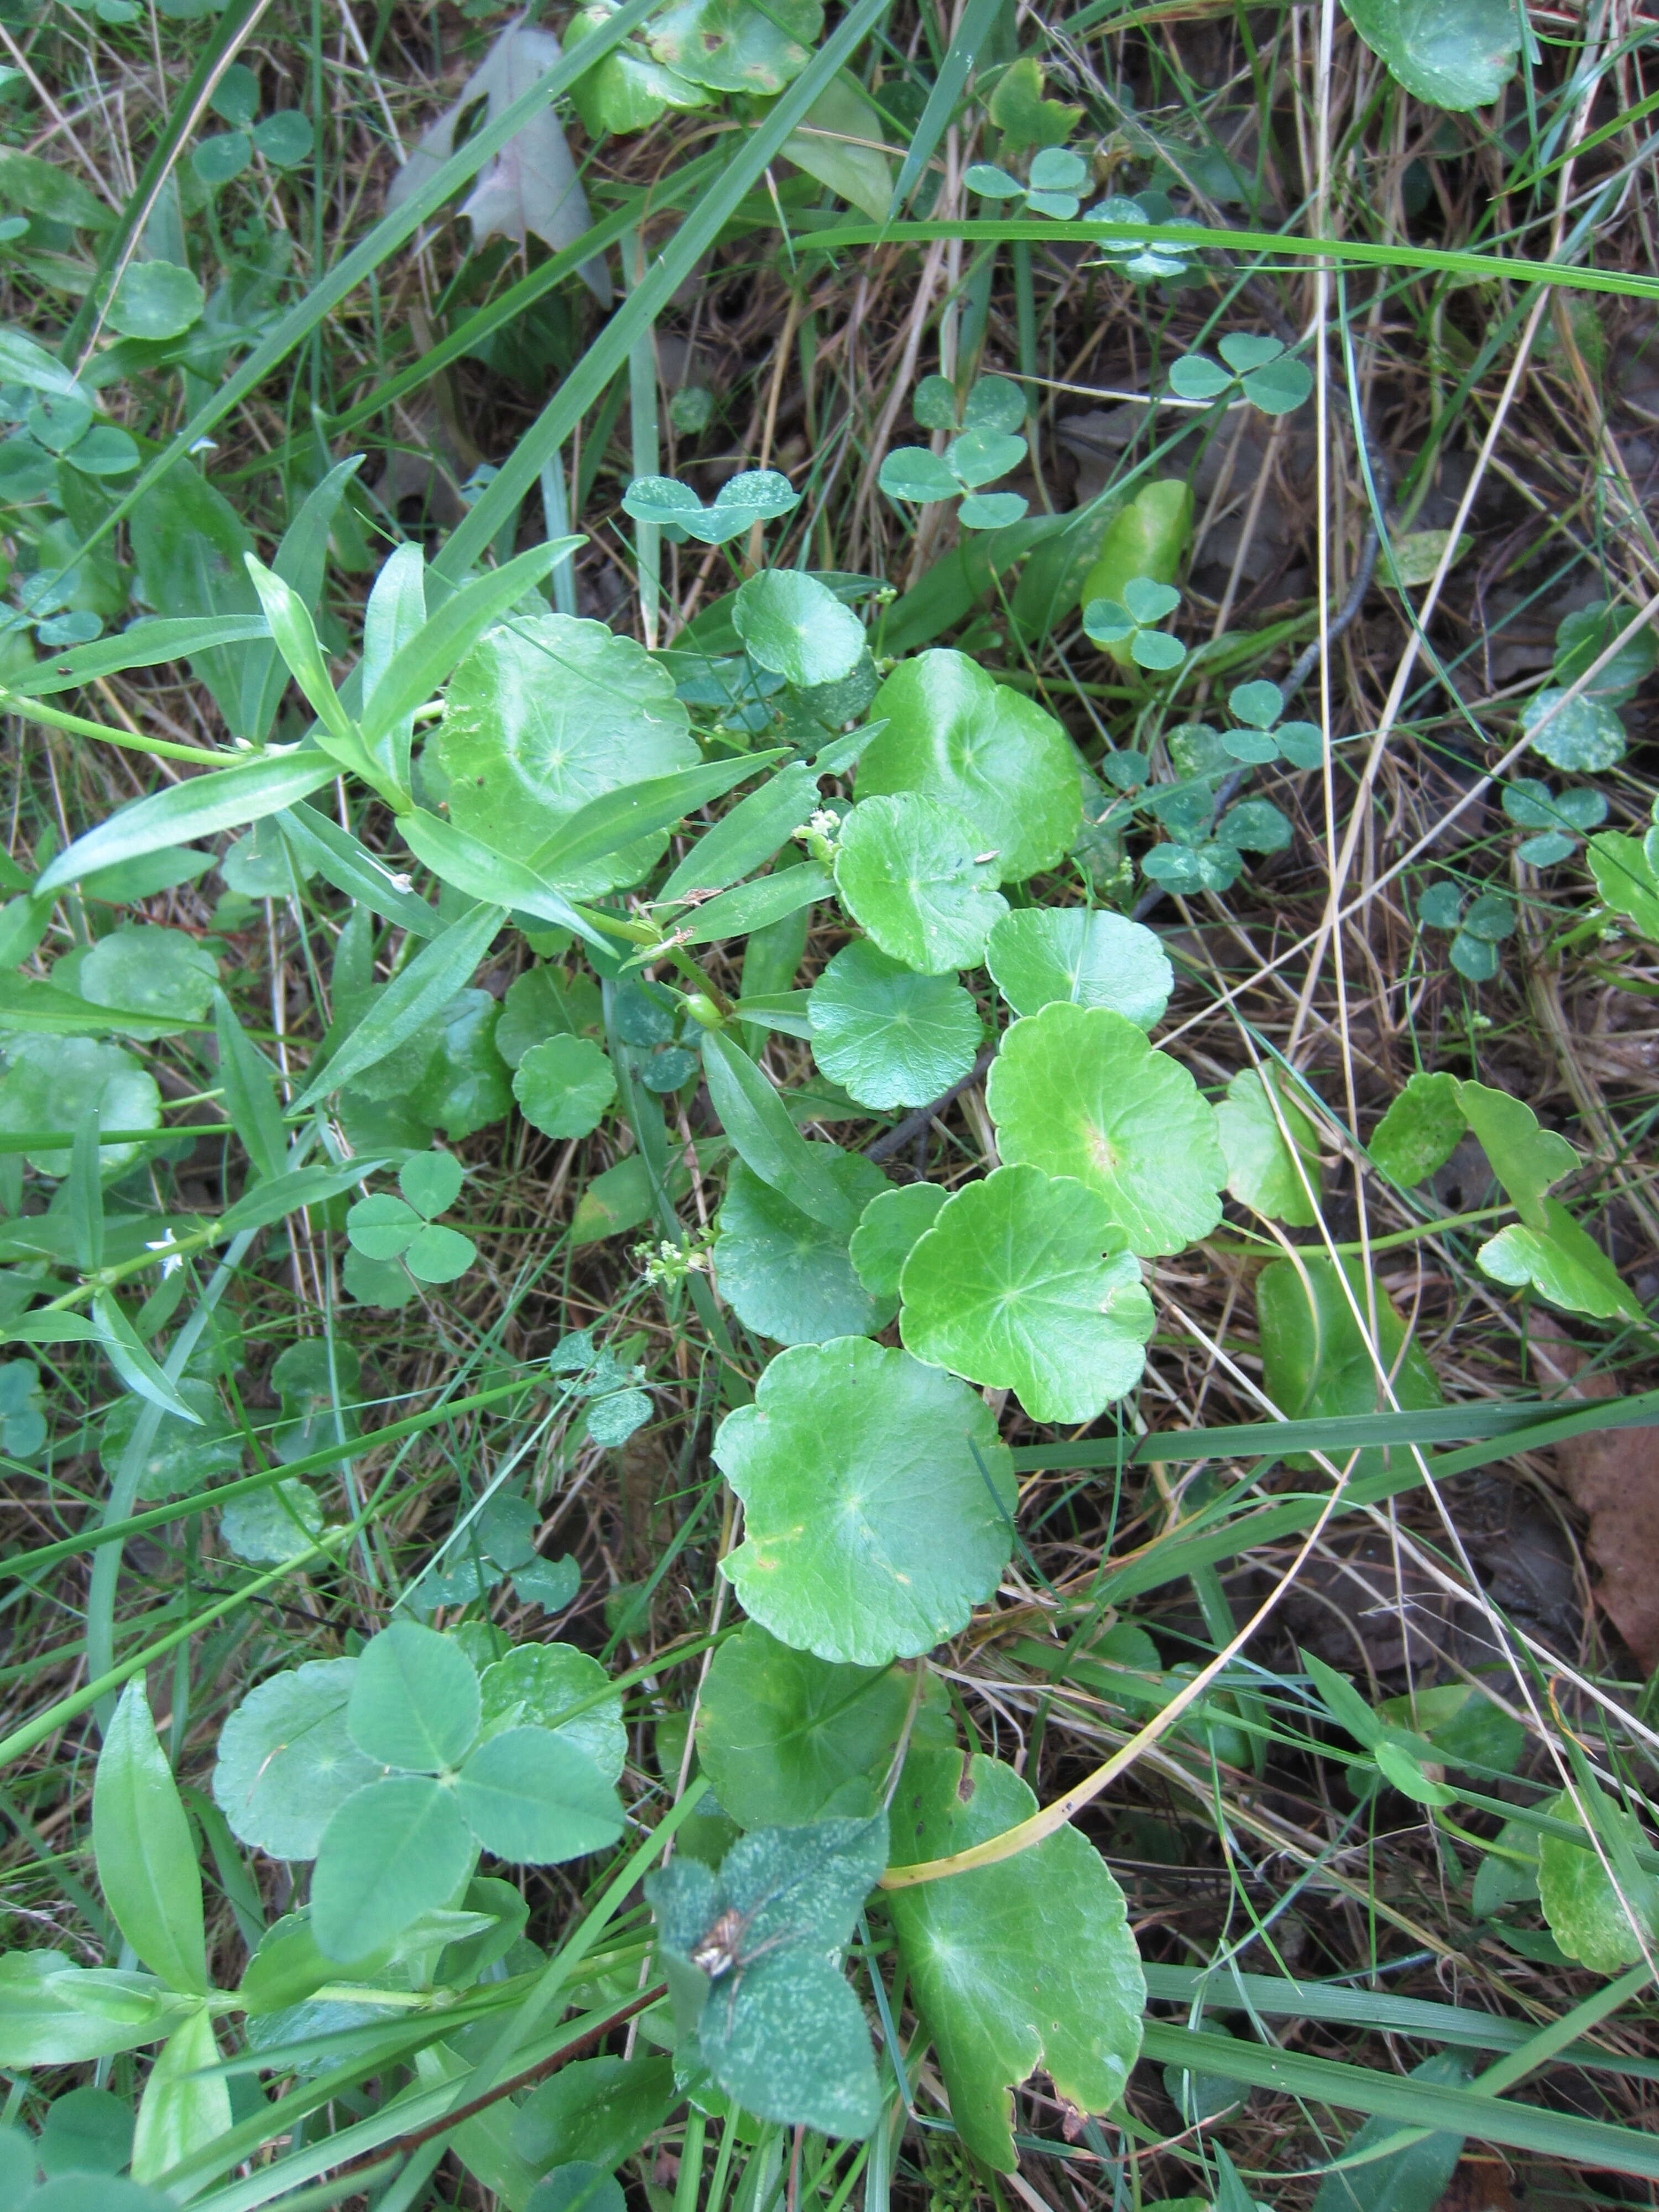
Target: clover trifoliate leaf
<point>563,1086</point>
<point>1421,1130</point>
<point>892,1037</point>
<point>394,1849</point>
<point>1562,1262</point>
<point>415,1699</point>
<point>786,1737</point>
<point>1316,1360</point>
<point>1604,1915</point>
<point>536,1685</point>
<point>887,1232</point>
<point>382,1226</point>
<point>1023,1964</point>
<point>286,1763</point>
<point>1042,953</point>
<point>788,1276</point>
<point>529,1797</point>
<point>955,735</point>
<point>796,626</point>
<point>1078,1090</point>
<point>268,1526</point>
<point>1023,1283</point>
<point>910,873</point>
<point>546,714</point>
<point>1265,1134</point>
<point>1525,1158</point>
<point>877,1497</point>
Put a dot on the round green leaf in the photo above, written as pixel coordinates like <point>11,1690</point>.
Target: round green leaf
<point>1260,704</point>
<point>414,1700</point>
<point>1078,1090</point>
<point>991,510</point>
<point>1261,1168</point>
<point>909,872</point>
<point>151,971</point>
<point>236,96</point>
<point>86,2131</point>
<point>106,450</point>
<point>1279,387</point>
<point>733,47</point>
<point>438,1255</point>
<point>59,1083</point>
<point>786,1737</point>
<point>382,1226</point>
<point>1583,738</point>
<point>1023,1283</point>
<point>788,1276</point>
<point>543,716</point>
<point>980,457</point>
<point>1421,1130</point>
<point>269,1526</point>
<point>1027,1963</point>
<point>396,1849</point>
<point>1042,953</point>
<point>878,1502</point>
<point>431,1181</point>
<point>1458,56</point>
<point>795,626</point>
<point>577,2186</point>
<point>1156,649</point>
<point>891,1037</point>
<point>563,1086</point>
<point>1195,376</point>
<point>155,299</point>
<point>286,1763</point>
<point>887,1233</point>
<point>955,735</point>
<point>531,1797</point>
<point>537,1684</point>
<point>1605,1920</point>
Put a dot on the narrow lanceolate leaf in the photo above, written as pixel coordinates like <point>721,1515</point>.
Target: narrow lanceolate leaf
<point>410,1000</point>
<point>226,800</point>
<point>286,1194</point>
<point>248,1082</point>
<point>615,818</point>
<point>146,645</point>
<point>338,856</point>
<point>132,1362</point>
<point>757,1121</point>
<point>483,873</point>
<point>146,1857</point>
<point>296,640</point>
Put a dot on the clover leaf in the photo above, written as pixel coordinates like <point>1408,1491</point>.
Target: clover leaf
<point>383,1228</point>
<point>286,1761</point>
<point>1078,1090</point>
<point>1130,621</point>
<point>1023,1283</point>
<point>907,872</point>
<point>1140,261</point>
<point>1581,736</point>
<point>877,1498</point>
<point>755,495</point>
<point>1271,379</point>
<point>891,1037</point>
<point>1531,804</point>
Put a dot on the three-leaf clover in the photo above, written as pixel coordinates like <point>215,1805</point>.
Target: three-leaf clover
<point>985,446</point>
<point>1478,929</point>
<point>1263,737</point>
<point>383,1228</point>
<point>1056,180</point>
<point>1136,259</point>
<point>617,1405</point>
<point>755,495</point>
<point>1271,379</point>
<point>1133,620</point>
<point>403,1843</point>
<point>283,139</point>
<point>1531,804</point>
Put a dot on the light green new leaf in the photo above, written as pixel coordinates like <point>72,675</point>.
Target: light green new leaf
<point>55,2014</point>
<point>1026,1964</point>
<point>394,1849</point>
<point>142,1841</point>
<point>416,995</point>
<point>1262,1168</point>
<point>909,872</point>
<point>877,1500</point>
<point>786,1737</point>
<point>767,1140</point>
<point>530,1797</point>
<point>1525,1158</point>
<point>788,1276</point>
<point>891,1037</point>
<point>795,626</point>
<point>414,1700</point>
<point>1316,1361</point>
<point>1078,1090</point>
<point>827,147</point>
<point>1421,1130</point>
<point>888,1231</point>
<point>563,1086</point>
<point>955,735</point>
<point>184,2107</point>
<point>1563,1263</point>
<point>286,1761</point>
<point>1606,1919</point>
<point>546,714</point>
<point>1455,54</point>
<point>1023,1283</point>
<point>1038,954</point>
<point>536,1685</point>
<point>226,799</point>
